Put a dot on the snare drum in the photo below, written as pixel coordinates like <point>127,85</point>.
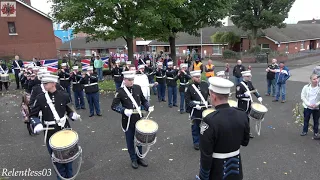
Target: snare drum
<point>5,77</point>
<point>257,111</point>
<point>207,112</point>
<point>232,103</point>
<point>64,146</point>
<point>146,131</point>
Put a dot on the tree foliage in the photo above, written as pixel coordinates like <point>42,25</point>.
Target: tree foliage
<point>229,38</point>
<point>260,14</point>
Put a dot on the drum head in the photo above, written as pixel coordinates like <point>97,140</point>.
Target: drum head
<point>207,112</point>
<point>232,103</point>
<point>259,107</point>
<point>147,126</point>
<point>63,139</point>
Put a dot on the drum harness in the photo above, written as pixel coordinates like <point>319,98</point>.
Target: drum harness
<point>198,102</point>
<point>137,143</point>
<point>258,123</point>
<point>61,122</point>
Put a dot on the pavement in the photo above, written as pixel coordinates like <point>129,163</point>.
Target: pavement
<point>279,153</point>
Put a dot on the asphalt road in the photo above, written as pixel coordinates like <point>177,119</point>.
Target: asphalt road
<point>278,154</point>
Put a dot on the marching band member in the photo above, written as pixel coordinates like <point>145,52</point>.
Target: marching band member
<point>184,77</point>
<point>17,66</point>
<point>3,70</point>
<point>196,100</point>
<point>23,79</point>
<point>243,93</point>
<point>172,78</point>
<point>160,78</point>
<point>222,133</point>
<point>64,77</point>
<point>128,63</point>
<point>91,88</point>
<point>150,71</point>
<point>116,74</point>
<point>77,88</point>
<point>59,99</point>
<point>127,102</point>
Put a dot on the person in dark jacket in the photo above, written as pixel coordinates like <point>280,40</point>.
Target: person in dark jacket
<point>172,77</point>
<point>150,72</point>
<point>161,79</point>
<point>3,70</point>
<point>117,74</point>
<point>77,88</point>
<point>237,72</point>
<point>64,77</point>
<point>271,78</point>
<point>17,66</point>
<point>184,77</point>
<point>281,77</point>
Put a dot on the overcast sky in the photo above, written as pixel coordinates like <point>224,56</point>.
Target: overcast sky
<point>301,9</point>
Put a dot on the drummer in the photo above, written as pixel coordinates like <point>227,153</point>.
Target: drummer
<point>243,93</point>
<point>60,100</point>
<point>222,134</point>
<point>131,113</point>
<point>3,70</point>
<point>196,100</point>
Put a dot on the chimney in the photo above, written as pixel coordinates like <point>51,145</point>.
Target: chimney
<point>27,2</point>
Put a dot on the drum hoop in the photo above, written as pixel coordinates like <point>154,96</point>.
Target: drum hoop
<point>64,147</point>
<point>156,130</point>
<point>252,108</point>
<point>71,159</point>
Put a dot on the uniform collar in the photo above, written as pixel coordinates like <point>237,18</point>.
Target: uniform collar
<point>221,106</point>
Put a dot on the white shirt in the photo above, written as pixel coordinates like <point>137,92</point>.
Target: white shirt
<point>313,95</point>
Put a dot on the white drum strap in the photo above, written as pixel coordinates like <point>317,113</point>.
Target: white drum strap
<point>201,97</point>
<point>61,121</point>
<point>247,88</point>
<point>258,127</point>
<point>135,104</point>
<point>2,69</point>
<point>17,64</point>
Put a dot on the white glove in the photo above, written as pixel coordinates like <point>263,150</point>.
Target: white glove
<point>151,109</point>
<point>75,116</point>
<point>247,93</point>
<point>206,104</point>
<point>198,107</point>
<point>260,99</point>
<point>38,128</point>
<point>128,112</point>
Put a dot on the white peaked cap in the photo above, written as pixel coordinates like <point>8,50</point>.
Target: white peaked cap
<point>128,62</point>
<point>159,63</point>
<point>220,85</point>
<point>147,61</point>
<point>48,78</point>
<point>90,68</point>
<point>183,65</point>
<point>63,64</point>
<point>220,73</point>
<point>36,68</point>
<point>141,66</point>
<point>195,73</point>
<point>170,63</point>
<point>129,74</point>
<point>246,73</point>
<point>75,67</point>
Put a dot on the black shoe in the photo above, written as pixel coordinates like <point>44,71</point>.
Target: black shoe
<point>91,115</point>
<point>77,108</point>
<point>83,108</point>
<point>275,100</point>
<point>170,106</point>
<point>316,136</point>
<point>99,114</point>
<point>134,164</point>
<point>181,112</point>
<point>251,136</point>
<point>196,147</point>
<point>164,100</point>
<point>303,134</point>
<point>142,162</point>
<point>175,105</point>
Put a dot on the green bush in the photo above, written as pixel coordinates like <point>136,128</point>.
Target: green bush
<point>228,54</point>
<point>255,50</point>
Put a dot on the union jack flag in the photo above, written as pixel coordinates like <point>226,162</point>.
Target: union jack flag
<point>85,63</point>
<point>51,64</point>
<point>105,61</point>
<point>121,57</point>
<point>26,63</point>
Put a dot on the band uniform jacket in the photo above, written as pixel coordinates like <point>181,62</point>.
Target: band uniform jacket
<point>184,81</point>
<point>172,77</point>
<point>160,76</point>
<point>60,100</point>
<point>75,79</point>
<point>117,74</point>
<point>244,102</point>
<point>89,80</point>
<point>223,131</point>
<point>64,78</point>
<point>32,83</point>
<point>150,72</point>
<point>122,102</point>
<point>192,98</point>
<point>16,67</point>
<point>36,90</point>
<point>4,67</point>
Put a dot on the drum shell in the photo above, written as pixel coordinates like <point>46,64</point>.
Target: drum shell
<point>65,154</point>
<point>5,77</point>
<point>145,138</point>
<point>255,114</point>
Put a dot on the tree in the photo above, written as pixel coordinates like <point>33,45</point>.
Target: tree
<point>260,14</point>
<point>226,37</point>
<point>174,16</point>
<point>105,19</point>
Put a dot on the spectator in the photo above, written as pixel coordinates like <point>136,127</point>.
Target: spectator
<point>249,68</point>
<point>98,64</point>
<point>282,74</point>
<point>237,72</point>
<point>271,78</point>
<point>209,69</point>
<point>310,100</point>
<point>227,70</point>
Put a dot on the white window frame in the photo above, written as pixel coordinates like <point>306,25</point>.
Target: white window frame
<point>88,52</point>
<point>263,47</point>
<point>219,50</point>
<point>302,45</point>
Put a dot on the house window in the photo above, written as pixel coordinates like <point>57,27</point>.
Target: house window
<point>302,45</point>
<point>154,49</point>
<point>12,28</point>
<point>166,48</point>
<point>88,52</point>
<point>177,50</point>
<point>217,50</point>
<point>265,46</point>
<point>287,47</point>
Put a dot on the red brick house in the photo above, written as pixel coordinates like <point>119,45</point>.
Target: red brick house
<point>291,39</point>
<point>25,31</point>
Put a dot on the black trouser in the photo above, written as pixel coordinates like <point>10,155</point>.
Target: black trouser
<point>29,128</point>
<point>16,75</point>
<point>5,85</point>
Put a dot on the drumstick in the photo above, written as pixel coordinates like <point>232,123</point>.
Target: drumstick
<point>47,129</point>
<point>148,114</point>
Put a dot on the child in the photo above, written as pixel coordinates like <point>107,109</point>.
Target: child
<point>226,71</point>
<point>25,111</point>
<point>249,68</point>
